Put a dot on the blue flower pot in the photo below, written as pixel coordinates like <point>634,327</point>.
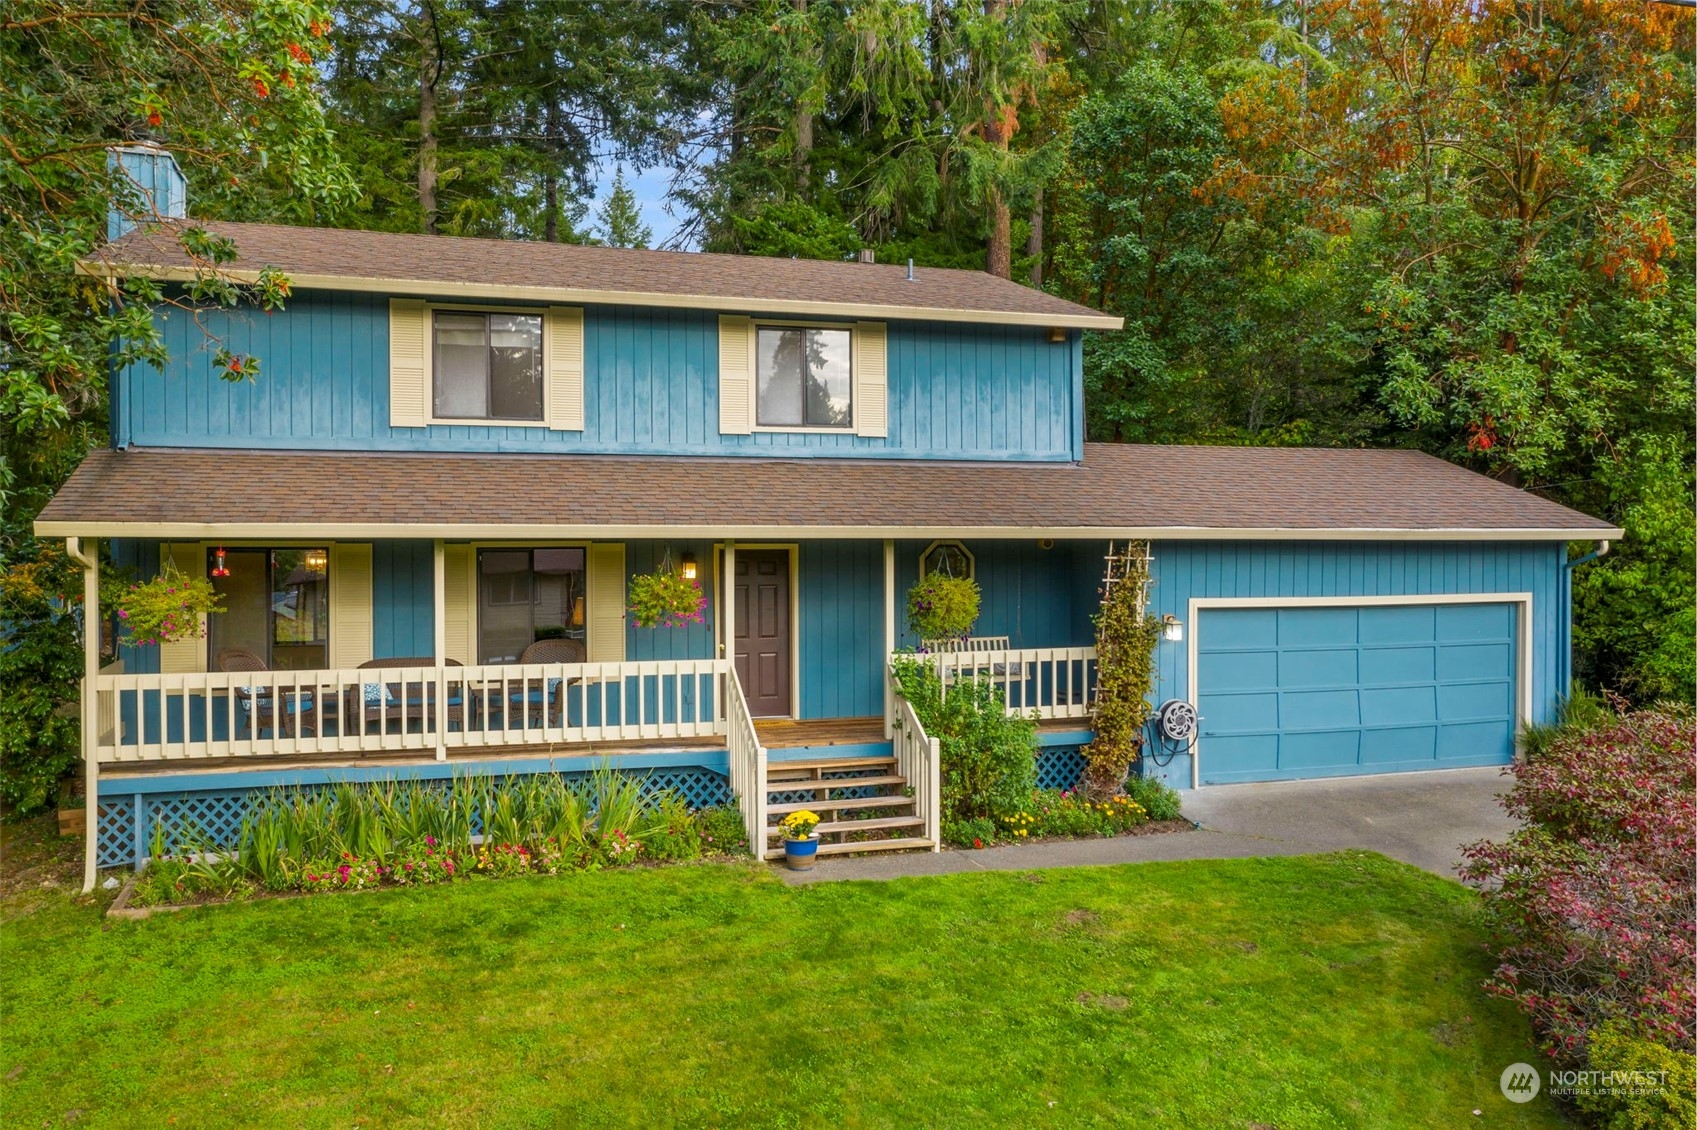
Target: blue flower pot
<point>802,854</point>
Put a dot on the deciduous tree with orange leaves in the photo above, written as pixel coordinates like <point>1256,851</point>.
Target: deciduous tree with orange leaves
<point>1517,179</point>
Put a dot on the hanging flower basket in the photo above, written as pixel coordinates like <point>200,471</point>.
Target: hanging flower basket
<point>940,607</point>
<point>663,599</point>
<point>168,608</point>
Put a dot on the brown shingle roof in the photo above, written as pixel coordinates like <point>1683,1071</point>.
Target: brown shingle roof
<point>436,265</point>
<point>1119,490</point>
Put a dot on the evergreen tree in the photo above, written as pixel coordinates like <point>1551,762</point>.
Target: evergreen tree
<point>618,222</point>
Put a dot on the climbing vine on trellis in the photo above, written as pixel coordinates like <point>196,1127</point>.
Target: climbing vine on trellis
<point>1125,668</point>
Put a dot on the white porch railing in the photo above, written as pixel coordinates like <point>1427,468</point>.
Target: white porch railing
<point>1055,682</point>
<point>747,763</point>
<point>216,714</point>
<point>919,759</point>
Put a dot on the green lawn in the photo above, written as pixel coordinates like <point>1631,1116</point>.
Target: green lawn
<point>1311,992</point>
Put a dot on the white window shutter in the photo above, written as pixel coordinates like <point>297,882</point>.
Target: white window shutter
<point>563,347</point>
<point>458,606</point>
<point>871,379</point>
<point>606,599</point>
<point>184,655</point>
<point>736,375</point>
<point>408,348</point>
<point>350,606</point>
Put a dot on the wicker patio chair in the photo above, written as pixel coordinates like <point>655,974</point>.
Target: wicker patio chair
<point>540,698</point>
<point>260,707</point>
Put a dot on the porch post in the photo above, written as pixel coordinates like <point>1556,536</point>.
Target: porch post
<point>88,556</point>
<point>889,632</point>
<point>728,606</point>
<point>439,568</point>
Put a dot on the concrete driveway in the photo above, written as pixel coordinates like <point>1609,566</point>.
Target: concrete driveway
<point>1419,818</point>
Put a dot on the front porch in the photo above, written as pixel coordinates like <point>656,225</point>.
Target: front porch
<point>194,747</point>
<point>800,632</point>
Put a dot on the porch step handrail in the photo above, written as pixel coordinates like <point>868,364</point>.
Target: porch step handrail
<point>1053,682</point>
<point>747,760</point>
<point>919,759</point>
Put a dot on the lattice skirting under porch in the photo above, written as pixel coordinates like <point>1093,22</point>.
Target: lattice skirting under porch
<point>214,817</point>
<point>1060,767</point>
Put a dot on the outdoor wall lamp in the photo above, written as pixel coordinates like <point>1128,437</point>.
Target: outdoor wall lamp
<point>1171,628</point>
<point>689,566</point>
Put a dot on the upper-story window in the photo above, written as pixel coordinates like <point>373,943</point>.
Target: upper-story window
<point>487,366</point>
<point>804,377</point>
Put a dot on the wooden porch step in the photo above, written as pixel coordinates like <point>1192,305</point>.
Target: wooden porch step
<point>840,805</point>
<point>898,843</point>
<point>815,784</point>
<point>876,825</point>
<point>827,764</point>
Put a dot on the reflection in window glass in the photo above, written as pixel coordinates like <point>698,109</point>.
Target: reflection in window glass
<point>277,606</point>
<point>487,366</point>
<point>804,378</point>
<point>526,595</point>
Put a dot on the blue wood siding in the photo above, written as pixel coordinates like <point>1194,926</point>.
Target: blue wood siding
<point>403,599</point>
<point>694,641</point>
<point>1036,597</point>
<point>651,387</point>
<point>138,560</point>
<point>842,628</point>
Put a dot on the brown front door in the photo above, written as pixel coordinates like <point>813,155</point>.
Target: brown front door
<point>763,630</point>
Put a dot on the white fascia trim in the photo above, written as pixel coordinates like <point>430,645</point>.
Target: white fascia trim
<point>426,288</point>
<point>1523,631</point>
<point>469,531</point>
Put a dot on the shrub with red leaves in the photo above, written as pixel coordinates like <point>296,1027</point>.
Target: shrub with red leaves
<point>1592,905</point>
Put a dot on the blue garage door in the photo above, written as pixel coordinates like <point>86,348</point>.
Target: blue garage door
<point>1318,692</point>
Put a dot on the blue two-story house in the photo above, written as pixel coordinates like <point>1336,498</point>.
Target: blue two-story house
<point>425,514</point>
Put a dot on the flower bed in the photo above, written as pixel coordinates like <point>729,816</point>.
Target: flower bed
<point>1146,806</point>
<point>357,837</point>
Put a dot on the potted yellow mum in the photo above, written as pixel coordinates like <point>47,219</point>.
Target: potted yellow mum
<point>801,842</point>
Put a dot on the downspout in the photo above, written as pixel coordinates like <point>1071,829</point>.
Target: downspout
<point>1565,684</point>
<point>90,562</point>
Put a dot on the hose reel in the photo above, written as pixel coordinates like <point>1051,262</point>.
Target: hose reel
<point>1173,731</point>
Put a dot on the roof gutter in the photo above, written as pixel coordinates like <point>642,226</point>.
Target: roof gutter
<point>740,304</point>
<point>468,531</point>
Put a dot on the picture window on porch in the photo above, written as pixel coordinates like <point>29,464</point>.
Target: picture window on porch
<point>487,366</point>
<point>525,596</point>
<point>804,377</point>
<point>950,558</point>
<point>276,605</point>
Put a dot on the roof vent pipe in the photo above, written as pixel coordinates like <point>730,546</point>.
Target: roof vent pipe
<point>866,255</point>
<point>910,270</point>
